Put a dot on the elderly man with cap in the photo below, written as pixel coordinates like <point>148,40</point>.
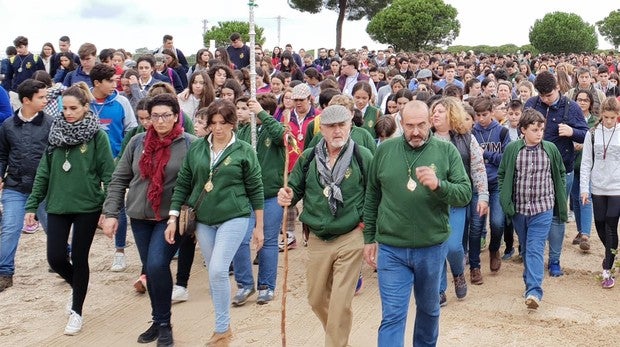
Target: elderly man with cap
<point>424,76</point>
<point>331,177</point>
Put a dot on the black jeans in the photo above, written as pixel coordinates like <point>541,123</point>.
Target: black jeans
<point>187,248</point>
<point>76,272</point>
<point>606,213</point>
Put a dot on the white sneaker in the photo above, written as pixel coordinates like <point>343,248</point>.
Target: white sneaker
<point>74,325</point>
<point>119,262</point>
<point>179,293</point>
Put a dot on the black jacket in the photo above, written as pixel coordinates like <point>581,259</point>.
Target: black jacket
<point>21,147</point>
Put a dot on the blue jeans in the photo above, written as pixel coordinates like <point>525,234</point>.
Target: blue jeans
<point>556,234</point>
<point>583,213</point>
<point>454,245</point>
<point>14,204</point>
<point>218,244</point>
<point>478,222</point>
<point>242,261</point>
<point>533,232</point>
<point>399,270</point>
<point>120,238</point>
<point>267,255</point>
<point>155,254</point>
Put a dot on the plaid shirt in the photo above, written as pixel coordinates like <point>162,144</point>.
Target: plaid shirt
<point>533,185</point>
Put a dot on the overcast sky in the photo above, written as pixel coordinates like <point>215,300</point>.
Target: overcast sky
<point>142,23</point>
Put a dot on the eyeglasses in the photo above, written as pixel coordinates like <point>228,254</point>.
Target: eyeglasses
<point>165,117</point>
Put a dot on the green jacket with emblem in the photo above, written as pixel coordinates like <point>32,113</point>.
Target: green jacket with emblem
<point>82,189</point>
<point>396,216</point>
<point>316,213</point>
<point>270,152</point>
<point>237,185</point>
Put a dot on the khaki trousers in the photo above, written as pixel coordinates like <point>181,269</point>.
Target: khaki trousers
<point>333,269</point>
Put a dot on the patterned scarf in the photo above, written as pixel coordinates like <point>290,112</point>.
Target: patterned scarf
<point>65,134</point>
<point>333,177</point>
<point>153,163</point>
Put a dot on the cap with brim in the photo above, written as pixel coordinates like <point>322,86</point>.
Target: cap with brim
<point>300,91</point>
<point>335,114</point>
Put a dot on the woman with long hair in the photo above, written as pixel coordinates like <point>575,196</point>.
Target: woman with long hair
<point>149,170</point>
<point>221,179</point>
<point>222,55</point>
<point>66,65</point>
<point>448,119</point>
<point>218,74</point>
<point>202,62</point>
<point>173,63</point>
<point>198,94</point>
<point>288,64</point>
<point>72,177</point>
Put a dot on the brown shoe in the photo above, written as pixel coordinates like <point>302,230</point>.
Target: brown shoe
<point>475,276</point>
<point>496,261</point>
<point>220,339</point>
<point>584,243</point>
<point>577,239</point>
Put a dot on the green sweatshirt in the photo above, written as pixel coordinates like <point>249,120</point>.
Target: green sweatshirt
<point>398,217</point>
<point>236,182</point>
<point>506,177</point>
<point>358,135</point>
<point>316,213</point>
<point>370,119</point>
<point>270,152</point>
<point>80,190</point>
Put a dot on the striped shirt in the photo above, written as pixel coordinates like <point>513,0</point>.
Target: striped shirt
<point>533,185</point>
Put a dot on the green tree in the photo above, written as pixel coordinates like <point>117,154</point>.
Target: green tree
<point>415,25</point>
<point>221,32</point>
<point>561,32</point>
<point>349,9</point>
<point>609,28</point>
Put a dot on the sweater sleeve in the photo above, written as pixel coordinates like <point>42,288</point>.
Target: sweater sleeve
<point>455,190</point>
<point>253,181</point>
<point>119,183</point>
<point>372,199</point>
<point>297,178</point>
<point>478,170</point>
<point>129,122</point>
<point>183,186</point>
<point>272,127</point>
<point>578,122</point>
<point>105,160</point>
<point>41,182</point>
<point>587,162</point>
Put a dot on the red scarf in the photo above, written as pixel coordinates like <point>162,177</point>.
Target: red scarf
<point>153,163</point>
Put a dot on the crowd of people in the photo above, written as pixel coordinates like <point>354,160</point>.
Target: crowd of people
<point>403,161</point>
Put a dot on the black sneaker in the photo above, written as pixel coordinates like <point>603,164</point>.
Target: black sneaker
<point>165,335</point>
<point>150,335</point>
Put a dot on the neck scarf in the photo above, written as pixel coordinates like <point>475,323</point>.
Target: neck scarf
<point>65,134</point>
<point>333,177</point>
<point>153,163</point>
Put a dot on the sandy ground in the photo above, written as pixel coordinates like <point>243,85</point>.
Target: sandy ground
<point>575,310</point>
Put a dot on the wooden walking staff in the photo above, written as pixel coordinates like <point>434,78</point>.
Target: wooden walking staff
<point>287,137</point>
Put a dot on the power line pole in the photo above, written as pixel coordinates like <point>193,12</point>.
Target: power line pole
<point>204,25</point>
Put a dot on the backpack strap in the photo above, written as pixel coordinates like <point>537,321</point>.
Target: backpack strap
<point>503,133</point>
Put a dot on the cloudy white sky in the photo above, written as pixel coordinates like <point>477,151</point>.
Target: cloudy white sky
<point>142,23</point>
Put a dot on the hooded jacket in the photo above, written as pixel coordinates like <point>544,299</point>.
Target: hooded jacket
<point>116,117</point>
<point>493,144</point>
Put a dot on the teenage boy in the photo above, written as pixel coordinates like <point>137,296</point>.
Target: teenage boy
<point>584,82</point>
<point>117,118</point>
<point>565,124</point>
<point>23,139</point>
<point>23,65</point>
<point>604,85</point>
<point>493,138</point>
<point>88,58</point>
<point>532,184</point>
<point>449,74</point>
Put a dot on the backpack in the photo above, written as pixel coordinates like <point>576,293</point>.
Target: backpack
<point>356,154</point>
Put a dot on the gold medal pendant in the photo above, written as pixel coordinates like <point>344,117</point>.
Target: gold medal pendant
<point>66,166</point>
<point>411,185</point>
<point>326,191</point>
<point>208,186</point>
<point>83,148</point>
